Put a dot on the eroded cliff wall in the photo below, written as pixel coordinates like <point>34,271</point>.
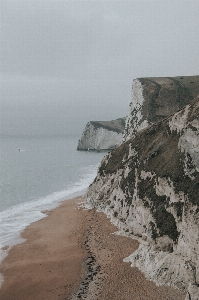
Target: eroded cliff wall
<point>149,188</point>
<point>103,135</point>
<point>155,98</point>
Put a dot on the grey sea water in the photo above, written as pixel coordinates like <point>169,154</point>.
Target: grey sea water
<point>37,173</point>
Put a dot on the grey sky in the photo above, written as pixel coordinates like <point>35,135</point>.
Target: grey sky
<point>64,63</point>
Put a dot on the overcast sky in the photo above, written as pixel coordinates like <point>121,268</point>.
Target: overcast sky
<point>64,63</point>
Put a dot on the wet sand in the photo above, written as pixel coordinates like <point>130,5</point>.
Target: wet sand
<point>72,254</point>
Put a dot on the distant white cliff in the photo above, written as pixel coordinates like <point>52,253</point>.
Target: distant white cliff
<point>102,135</point>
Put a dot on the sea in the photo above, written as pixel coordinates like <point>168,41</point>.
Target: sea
<point>36,174</point>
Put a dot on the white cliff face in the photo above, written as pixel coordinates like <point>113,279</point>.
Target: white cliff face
<point>135,120</point>
<point>189,139</point>
<point>154,99</point>
<point>149,188</point>
<point>99,138</point>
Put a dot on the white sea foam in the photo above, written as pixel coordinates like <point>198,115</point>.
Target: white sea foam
<point>13,220</point>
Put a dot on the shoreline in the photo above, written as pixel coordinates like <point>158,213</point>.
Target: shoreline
<point>50,260</point>
<point>73,254</point>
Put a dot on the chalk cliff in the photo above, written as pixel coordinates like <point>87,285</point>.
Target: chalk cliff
<point>149,188</point>
<point>155,98</point>
<point>102,135</point>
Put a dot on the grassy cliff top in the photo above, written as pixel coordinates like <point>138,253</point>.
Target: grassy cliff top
<point>166,95</point>
<point>114,125</point>
<point>190,83</point>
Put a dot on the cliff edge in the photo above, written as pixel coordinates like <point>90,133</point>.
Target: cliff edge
<point>102,135</point>
<point>149,188</point>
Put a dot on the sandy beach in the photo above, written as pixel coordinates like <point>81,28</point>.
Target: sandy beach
<point>72,254</point>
